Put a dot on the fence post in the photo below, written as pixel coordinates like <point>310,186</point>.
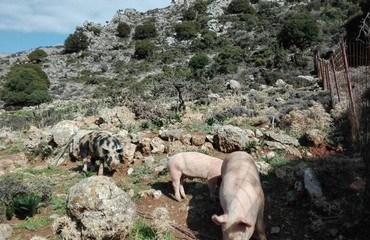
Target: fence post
<point>349,84</point>
<point>335,77</point>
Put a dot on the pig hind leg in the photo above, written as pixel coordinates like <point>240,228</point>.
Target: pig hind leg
<point>182,191</point>
<point>176,178</point>
<point>260,226</point>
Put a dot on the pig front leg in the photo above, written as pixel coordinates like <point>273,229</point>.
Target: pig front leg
<point>86,162</point>
<point>212,186</point>
<point>101,169</point>
<point>260,226</point>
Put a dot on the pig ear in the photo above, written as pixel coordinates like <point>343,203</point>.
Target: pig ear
<point>219,219</point>
<point>243,222</point>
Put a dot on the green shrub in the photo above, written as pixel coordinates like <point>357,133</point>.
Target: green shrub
<point>25,85</point>
<point>189,14</point>
<point>123,30</point>
<point>186,30</point>
<point>240,6</point>
<point>26,205</point>
<point>199,61</point>
<point>37,55</point>
<point>207,41</point>
<point>144,31</point>
<point>144,49</point>
<point>299,30</point>
<point>76,42</point>
<point>228,59</point>
<point>200,6</point>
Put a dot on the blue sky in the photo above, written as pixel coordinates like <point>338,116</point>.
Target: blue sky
<point>27,24</point>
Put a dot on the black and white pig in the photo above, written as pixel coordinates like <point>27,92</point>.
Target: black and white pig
<point>100,146</point>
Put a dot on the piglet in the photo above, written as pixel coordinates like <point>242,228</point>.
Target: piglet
<point>194,165</point>
<point>241,198</point>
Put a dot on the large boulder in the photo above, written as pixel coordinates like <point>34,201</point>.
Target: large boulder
<point>63,130</point>
<point>230,138</point>
<point>100,209</point>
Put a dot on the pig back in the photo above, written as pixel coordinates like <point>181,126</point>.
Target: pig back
<point>241,186</point>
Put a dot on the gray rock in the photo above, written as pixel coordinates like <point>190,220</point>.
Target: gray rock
<point>101,209</point>
<point>312,184</point>
<point>282,138</point>
<point>230,138</point>
<point>5,231</point>
<point>275,230</point>
<point>157,145</point>
<point>171,135</point>
<point>63,131</point>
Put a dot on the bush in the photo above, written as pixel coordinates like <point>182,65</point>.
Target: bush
<point>300,30</point>
<point>123,30</point>
<point>25,85</point>
<point>189,14</point>
<point>240,6</point>
<point>76,42</point>
<point>144,49</point>
<point>200,6</point>
<point>207,41</point>
<point>199,61</point>
<point>186,30</point>
<point>227,59</point>
<point>144,31</point>
<point>37,55</point>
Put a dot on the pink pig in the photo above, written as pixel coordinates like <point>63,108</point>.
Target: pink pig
<point>241,198</point>
<point>194,165</point>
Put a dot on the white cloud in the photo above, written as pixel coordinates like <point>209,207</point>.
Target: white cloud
<point>63,16</point>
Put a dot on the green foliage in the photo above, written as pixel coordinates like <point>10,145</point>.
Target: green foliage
<point>25,85</point>
<point>227,60</point>
<point>145,30</point>
<point>143,231</point>
<point>251,146</point>
<point>276,162</point>
<point>76,42</point>
<point>26,205</point>
<point>123,30</point>
<point>199,61</point>
<point>200,6</point>
<point>37,55</point>
<point>240,6</point>
<point>189,14</point>
<point>59,206</point>
<point>144,49</point>
<point>299,30</point>
<point>186,30</point>
<point>207,41</point>
<point>34,223</point>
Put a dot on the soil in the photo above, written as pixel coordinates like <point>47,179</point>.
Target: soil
<point>300,219</point>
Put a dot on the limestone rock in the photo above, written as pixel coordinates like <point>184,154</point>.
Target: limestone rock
<point>100,208</point>
<point>230,138</point>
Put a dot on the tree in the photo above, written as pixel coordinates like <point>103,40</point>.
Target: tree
<point>37,55</point>
<point>25,86</point>
<point>76,42</point>
<point>123,30</point>
<point>144,31</point>
<point>144,49</point>
<point>199,61</point>
<point>300,30</point>
<point>240,6</point>
<point>186,30</point>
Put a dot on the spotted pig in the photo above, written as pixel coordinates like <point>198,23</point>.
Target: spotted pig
<point>100,146</point>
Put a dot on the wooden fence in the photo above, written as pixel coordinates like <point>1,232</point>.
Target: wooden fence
<point>345,73</point>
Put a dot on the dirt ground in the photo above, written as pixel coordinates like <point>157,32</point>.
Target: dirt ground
<point>300,219</point>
